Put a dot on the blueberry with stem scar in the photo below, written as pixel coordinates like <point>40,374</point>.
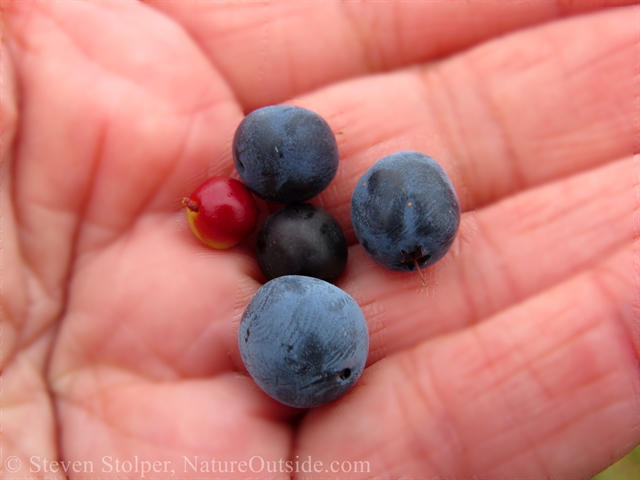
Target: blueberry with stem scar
<point>405,211</point>
<point>303,340</point>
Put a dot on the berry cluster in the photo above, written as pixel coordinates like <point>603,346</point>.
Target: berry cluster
<point>303,340</point>
<point>288,155</point>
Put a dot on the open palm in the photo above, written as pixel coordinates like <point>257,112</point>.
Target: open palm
<point>519,358</point>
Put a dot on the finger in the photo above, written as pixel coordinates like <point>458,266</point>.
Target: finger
<point>504,254</point>
<point>274,51</point>
<point>500,118</point>
<point>545,389</point>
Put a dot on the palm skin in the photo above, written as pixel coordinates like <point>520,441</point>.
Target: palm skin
<point>518,359</point>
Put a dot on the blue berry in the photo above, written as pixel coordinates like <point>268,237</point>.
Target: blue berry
<point>302,239</point>
<point>285,154</point>
<point>303,340</point>
<point>405,211</point>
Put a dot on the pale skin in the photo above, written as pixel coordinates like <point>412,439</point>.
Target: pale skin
<point>519,358</point>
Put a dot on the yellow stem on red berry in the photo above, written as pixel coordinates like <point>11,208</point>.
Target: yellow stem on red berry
<point>190,204</point>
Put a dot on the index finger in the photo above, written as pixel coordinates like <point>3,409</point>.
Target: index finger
<point>270,52</point>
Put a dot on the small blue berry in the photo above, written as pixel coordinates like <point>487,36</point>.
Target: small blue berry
<point>285,154</point>
<point>405,211</point>
<point>303,340</point>
<point>302,239</point>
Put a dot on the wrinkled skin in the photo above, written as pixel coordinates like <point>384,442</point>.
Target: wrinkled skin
<point>519,358</point>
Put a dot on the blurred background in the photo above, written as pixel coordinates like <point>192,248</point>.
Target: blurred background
<point>627,468</point>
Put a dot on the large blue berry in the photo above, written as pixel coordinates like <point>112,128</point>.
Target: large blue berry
<point>302,239</point>
<point>405,211</point>
<point>303,340</point>
<point>285,154</point>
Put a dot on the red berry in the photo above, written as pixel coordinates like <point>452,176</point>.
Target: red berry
<point>221,212</point>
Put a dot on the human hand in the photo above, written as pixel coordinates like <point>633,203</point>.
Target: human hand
<point>518,359</point>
